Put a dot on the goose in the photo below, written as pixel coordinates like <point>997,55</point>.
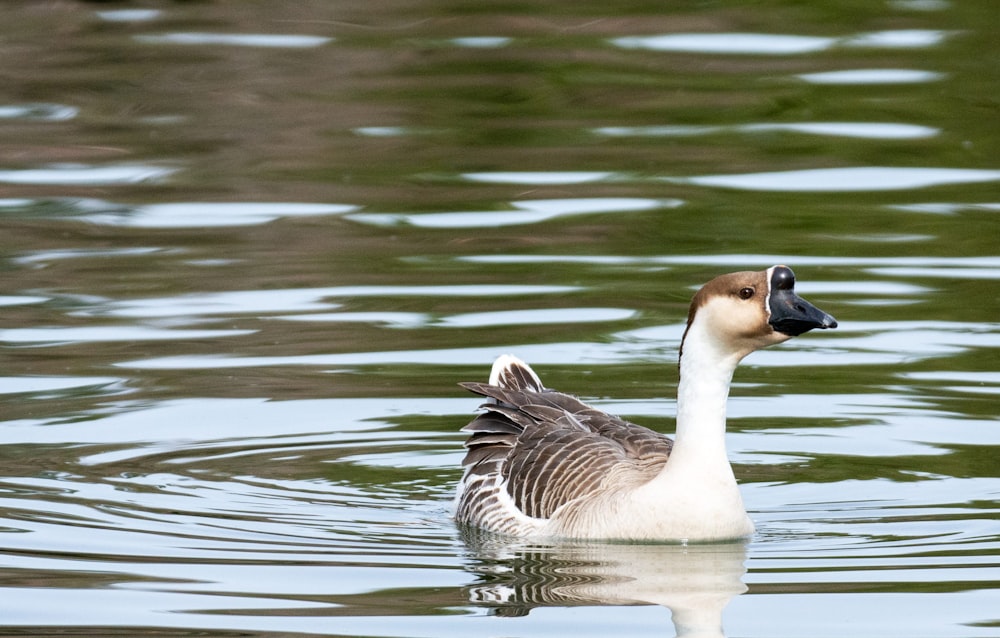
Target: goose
<point>540,463</point>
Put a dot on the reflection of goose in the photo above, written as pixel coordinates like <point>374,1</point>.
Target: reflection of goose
<point>695,582</point>
<point>542,463</point>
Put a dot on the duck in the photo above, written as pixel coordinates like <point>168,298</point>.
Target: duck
<point>543,464</point>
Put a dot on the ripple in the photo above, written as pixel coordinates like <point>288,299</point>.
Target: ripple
<point>79,175</point>
<point>21,300</point>
<point>864,130</point>
<point>977,382</point>
<point>553,353</point>
<point>884,238</point>
<point>298,299</point>
<point>261,40</point>
<point>946,208</point>
<point>728,43</point>
<point>597,260</point>
<point>677,130</point>
<point>778,44</point>
<point>844,180</point>
<point>169,214</point>
<point>855,344</point>
<point>392,131</point>
<point>741,261</point>
<point>107,334</point>
<point>390,319</point>
<point>540,178</point>
<point>482,42</point>
<point>38,111</point>
<point>25,385</point>
<point>129,15</point>
<point>536,317</point>
<point>527,212</point>
<point>217,422</point>
<point>872,76</point>
<point>946,273</point>
<point>898,39</point>
<point>212,214</point>
<point>920,5</point>
<point>619,351</point>
<point>900,342</point>
<point>41,258</point>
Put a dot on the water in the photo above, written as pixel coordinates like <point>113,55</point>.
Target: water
<point>248,253</point>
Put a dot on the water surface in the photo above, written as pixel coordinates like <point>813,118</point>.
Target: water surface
<point>248,254</point>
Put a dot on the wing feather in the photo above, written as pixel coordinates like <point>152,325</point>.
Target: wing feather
<point>546,449</point>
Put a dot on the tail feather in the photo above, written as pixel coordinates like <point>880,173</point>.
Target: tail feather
<point>513,374</point>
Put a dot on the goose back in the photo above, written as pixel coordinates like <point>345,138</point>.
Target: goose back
<point>535,453</point>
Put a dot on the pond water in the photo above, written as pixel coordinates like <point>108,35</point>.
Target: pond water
<point>249,249</point>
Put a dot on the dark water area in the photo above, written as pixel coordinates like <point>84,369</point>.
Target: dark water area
<point>248,249</point>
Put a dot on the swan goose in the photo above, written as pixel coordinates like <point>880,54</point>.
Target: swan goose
<point>541,463</point>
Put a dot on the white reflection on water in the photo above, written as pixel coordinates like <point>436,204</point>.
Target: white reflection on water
<point>552,353</point>
<point>843,180</point>
<point>920,5</point>
<point>231,302</point>
<point>18,385</point>
<point>527,212</point>
<point>947,273</point>
<point>41,258</point>
<point>297,299</point>
<point>129,15</point>
<point>389,318</point>
<point>393,131</point>
<point>264,40</point>
<point>969,382</point>
<point>898,39</point>
<point>778,44</point>
<point>167,215</point>
<point>881,238</point>
<point>482,42</point>
<point>211,214</point>
<point>540,178</point>
<point>745,261</point>
<point>836,616</point>
<point>947,208</point>
<point>872,76</point>
<point>868,343</point>
<point>536,316</point>
<point>105,334</point>
<point>865,130</point>
<point>21,300</point>
<point>215,421</point>
<point>76,174</point>
<point>40,111</point>
<point>728,43</point>
<point>82,607</point>
<point>904,432</point>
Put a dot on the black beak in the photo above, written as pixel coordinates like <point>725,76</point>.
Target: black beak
<point>791,314</point>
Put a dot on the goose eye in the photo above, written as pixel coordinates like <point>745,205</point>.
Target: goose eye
<point>746,293</point>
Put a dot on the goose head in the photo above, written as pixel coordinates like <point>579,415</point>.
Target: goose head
<point>746,311</point>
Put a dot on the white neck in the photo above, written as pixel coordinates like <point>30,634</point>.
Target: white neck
<point>695,495</point>
<point>706,371</point>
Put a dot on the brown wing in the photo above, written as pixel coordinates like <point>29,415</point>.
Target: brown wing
<point>551,447</point>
